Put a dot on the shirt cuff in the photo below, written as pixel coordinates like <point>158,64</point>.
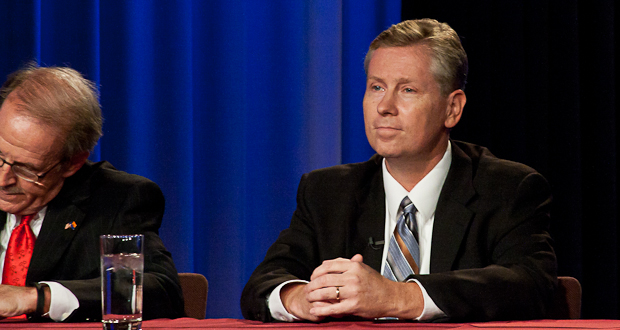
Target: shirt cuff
<point>276,308</point>
<point>430,310</point>
<point>62,301</point>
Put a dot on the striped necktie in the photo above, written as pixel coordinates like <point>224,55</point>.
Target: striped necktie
<point>403,251</point>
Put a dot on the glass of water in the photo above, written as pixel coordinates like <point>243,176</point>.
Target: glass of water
<point>122,267</point>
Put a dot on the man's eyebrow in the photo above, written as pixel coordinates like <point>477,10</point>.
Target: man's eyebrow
<point>27,165</point>
<point>404,81</point>
<point>375,78</point>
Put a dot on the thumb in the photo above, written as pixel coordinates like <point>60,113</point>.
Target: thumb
<point>357,258</point>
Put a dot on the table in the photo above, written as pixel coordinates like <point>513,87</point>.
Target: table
<point>188,323</point>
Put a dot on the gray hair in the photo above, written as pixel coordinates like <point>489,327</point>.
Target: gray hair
<point>59,97</point>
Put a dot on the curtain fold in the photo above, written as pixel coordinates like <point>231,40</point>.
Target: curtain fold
<point>223,104</point>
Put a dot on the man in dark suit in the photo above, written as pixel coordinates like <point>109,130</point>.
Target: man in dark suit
<point>50,120</point>
<point>480,223</point>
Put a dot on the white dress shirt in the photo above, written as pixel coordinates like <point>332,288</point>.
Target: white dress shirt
<point>424,196</point>
<point>63,302</point>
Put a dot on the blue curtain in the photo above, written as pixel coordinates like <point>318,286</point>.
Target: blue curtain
<point>225,104</point>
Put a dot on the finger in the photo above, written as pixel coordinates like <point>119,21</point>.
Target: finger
<point>339,265</point>
<point>326,281</point>
<point>357,258</point>
<point>341,308</point>
<point>320,304</point>
<point>330,294</point>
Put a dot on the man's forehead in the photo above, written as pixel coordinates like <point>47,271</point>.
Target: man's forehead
<point>415,52</point>
<point>24,138</point>
<point>400,63</point>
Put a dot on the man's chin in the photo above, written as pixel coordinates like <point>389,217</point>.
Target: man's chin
<point>10,207</point>
<point>389,153</point>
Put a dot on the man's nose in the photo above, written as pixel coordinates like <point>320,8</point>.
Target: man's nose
<point>387,105</point>
<point>7,177</point>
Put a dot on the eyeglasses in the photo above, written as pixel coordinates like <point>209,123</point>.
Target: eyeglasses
<point>27,174</point>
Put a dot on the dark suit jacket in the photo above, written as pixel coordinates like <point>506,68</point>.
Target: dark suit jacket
<point>103,200</point>
<point>491,255</point>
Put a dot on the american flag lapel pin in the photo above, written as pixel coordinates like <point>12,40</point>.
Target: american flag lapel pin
<point>71,225</point>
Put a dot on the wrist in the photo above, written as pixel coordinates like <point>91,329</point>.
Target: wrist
<point>288,296</point>
<point>412,301</point>
<point>43,298</point>
<point>32,300</point>
<point>404,301</point>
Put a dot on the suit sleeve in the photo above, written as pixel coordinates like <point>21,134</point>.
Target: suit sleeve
<point>293,256</point>
<point>518,276</point>
<point>140,213</point>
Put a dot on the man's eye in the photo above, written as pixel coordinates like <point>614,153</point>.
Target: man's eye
<point>22,169</point>
<point>377,88</point>
<point>409,90</point>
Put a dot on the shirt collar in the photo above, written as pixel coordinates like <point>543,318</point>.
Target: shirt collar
<point>425,194</point>
<point>37,218</point>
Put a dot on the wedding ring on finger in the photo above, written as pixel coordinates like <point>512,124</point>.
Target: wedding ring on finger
<point>338,293</point>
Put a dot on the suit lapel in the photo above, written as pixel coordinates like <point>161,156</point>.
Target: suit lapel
<point>371,220</point>
<point>452,217</point>
<point>54,238</point>
<point>56,233</point>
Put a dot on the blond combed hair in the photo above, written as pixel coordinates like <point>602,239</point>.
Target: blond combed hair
<point>448,58</point>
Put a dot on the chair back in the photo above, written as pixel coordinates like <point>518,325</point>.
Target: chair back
<point>195,289</point>
<point>567,299</point>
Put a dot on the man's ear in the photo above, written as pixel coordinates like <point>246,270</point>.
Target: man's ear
<point>454,110</point>
<point>75,163</point>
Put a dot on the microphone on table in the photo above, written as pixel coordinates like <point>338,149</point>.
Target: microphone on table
<point>375,245</point>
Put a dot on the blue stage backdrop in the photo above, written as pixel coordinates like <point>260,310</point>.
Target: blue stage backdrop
<point>225,104</point>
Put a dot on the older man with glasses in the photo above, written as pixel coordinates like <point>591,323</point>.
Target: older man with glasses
<point>54,204</point>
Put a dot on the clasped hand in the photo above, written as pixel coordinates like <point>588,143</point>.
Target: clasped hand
<point>349,287</point>
<point>17,300</point>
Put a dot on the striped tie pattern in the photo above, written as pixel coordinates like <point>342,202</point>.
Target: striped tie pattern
<point>403,251</point>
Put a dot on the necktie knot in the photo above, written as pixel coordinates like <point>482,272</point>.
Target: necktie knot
<point>408,210</point>
<point>406,206</point>
<point>26,219</point>
<point>405,203</point>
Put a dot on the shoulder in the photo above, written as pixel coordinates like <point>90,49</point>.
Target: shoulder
<point>103,173</point>
<point>344,177</point>
<point>483,162</point>
<point>102,180</point>
<point>492,175</point>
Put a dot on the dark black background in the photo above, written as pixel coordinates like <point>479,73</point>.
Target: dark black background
<point>541,91</point>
